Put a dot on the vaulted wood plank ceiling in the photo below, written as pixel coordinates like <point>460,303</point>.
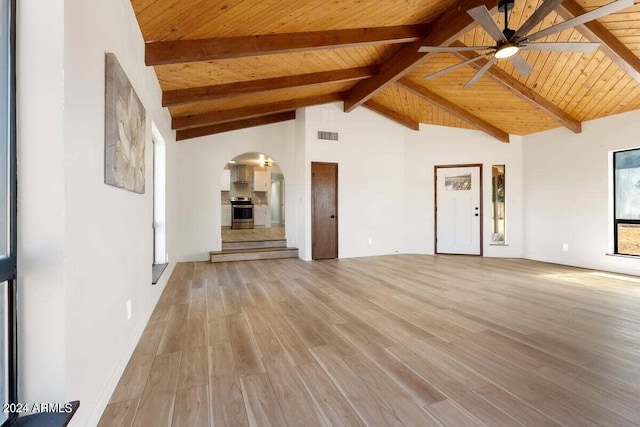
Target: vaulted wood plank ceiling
<point>224,65</point>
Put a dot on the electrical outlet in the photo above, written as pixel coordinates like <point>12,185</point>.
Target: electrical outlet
<point>370,241</point>
<point>129,313</point>
<point>565,247</point>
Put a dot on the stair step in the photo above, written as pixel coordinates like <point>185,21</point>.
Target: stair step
<point>255,244</point>
<point>253,254</point>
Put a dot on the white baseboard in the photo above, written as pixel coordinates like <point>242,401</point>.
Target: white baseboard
<point>589,266</point>
<point>118,370</point>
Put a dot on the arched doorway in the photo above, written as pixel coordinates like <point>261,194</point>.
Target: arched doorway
<point>252,199</point>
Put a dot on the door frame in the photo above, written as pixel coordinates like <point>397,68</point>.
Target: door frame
<point>313,226</point>
<point>435,204</point>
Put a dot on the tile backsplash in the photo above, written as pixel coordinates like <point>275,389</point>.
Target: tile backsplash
<point>225,197</point>
<point>258,197</point>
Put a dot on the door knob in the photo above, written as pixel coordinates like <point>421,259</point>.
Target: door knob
<point>477,214</point>
<point>333,216</point>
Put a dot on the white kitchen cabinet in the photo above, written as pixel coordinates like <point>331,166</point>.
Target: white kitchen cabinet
<point>226,215</point>
<point>261,216</point>
<point>260,179</point>
<point>225,180</point>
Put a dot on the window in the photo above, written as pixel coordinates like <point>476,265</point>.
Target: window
<point>159,184</point>
<point>8,388</point>
<point>626,188</point>
<point>497,200</point>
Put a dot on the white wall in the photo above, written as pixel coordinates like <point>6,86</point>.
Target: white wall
<point>85,247</point>
<point>200,164</point>
<point>300,219</point>
<point>41,229</point>
<point>108,230</point>
<point>436,145</point>
<point>369,207</point>
<point>567,187</point>
<point>385,181</point>
<point>370,154</point>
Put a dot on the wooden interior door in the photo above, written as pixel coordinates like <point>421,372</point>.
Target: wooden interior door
<point>324,210</point>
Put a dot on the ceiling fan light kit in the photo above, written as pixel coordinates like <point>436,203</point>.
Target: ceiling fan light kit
<point>510,42</point>
<point>507,50</point>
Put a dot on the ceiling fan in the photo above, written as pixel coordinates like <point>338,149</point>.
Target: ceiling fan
<point>509,42</point>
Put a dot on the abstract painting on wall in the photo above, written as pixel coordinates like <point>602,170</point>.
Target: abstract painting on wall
<point>125,127</point>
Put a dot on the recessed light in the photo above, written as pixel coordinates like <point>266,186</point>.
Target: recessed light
<point>232,161</point>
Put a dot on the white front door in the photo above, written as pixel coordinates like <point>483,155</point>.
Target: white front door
<point>458,210</point>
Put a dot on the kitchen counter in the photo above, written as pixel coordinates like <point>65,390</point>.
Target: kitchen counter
<point>226,215</point>
<point>261,216</point>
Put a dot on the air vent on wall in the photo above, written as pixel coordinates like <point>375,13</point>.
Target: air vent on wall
<point>328,136</point>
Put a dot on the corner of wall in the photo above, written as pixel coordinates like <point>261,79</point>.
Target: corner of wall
<point>42,334</point>
<point>302,240</point>
<point>567,187</point>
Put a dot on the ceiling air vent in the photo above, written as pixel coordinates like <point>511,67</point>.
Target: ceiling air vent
<point>328,136</point>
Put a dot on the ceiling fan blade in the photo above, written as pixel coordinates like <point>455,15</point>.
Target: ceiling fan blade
<point>453,67</point>
<point>585,17</point>
<point>585,47</point>
<point>481,72</point>
<point>535,18</point>
<point>451,49</point>
<point>521,65</point>
<point>482,16</point>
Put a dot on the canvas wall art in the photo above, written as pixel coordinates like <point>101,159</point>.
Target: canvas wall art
<point>125,126</point>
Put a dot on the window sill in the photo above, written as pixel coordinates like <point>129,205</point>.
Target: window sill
<point>624,256</point>
<point>49,419</point>
<point>156,272</point>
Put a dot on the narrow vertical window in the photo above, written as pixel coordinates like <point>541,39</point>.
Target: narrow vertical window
<point>498,205</point>
<point>8,369</point>
<point>626,186</point>
<point>159,227</point>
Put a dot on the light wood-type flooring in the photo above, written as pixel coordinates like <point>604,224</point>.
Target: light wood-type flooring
<point>252,234</point>
<point>401,340</point>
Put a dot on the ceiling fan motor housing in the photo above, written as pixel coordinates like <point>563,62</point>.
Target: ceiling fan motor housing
<point>505,5</point>
<point>508,33</point>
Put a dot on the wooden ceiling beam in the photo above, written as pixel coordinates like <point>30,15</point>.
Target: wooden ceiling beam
<point>523,92</point>
<point>181,135</point>
<point>179,51</point>
<point>454,109</point>
<point>222,116</point>
<point>197,94</point>
<point>392,115</point>
<point>594,31</point>
<point>444,30</point>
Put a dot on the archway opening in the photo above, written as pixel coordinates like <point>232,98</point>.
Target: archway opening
<point>252,199</point>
